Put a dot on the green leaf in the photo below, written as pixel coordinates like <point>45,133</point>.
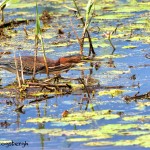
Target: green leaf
<point>88,9</point>
<point>3,3</point>
<point>37,28</point>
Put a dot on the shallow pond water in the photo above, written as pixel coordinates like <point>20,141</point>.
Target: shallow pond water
<point>109,121</point>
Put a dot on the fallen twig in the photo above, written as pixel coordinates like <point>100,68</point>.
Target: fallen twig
<point>15,22</point>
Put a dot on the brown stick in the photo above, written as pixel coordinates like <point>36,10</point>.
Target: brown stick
<point>109,38</point>
<point>25,30</point>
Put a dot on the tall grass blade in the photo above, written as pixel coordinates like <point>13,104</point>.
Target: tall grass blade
<point>88,13</point>
<point>3,3</point>
<point>38,35</point>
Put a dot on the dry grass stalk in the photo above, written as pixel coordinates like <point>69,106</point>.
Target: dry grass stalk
<point>17,72</point>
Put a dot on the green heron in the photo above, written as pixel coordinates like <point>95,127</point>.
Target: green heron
<point>28,64</point>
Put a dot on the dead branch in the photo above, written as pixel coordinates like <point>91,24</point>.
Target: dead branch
<point>136,97</point>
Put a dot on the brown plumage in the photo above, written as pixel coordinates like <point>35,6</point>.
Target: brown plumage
<point>28,64</point>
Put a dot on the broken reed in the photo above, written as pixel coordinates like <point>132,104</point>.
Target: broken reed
<point>17,71</point>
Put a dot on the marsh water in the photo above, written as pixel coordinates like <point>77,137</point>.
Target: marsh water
<point>110,120</point>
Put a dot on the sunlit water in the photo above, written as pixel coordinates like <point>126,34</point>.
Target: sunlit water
<point>55,106</point>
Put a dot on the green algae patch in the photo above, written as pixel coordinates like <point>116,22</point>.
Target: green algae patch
<point>137,118</point>
<point>94,133</point>
<point>113,92</point>
<point>136,7</point>
<point>43,93</point>
<point>51,132</point>
<point>76,86</point>
<point>125,143</point>
<point>144,39</point>
<point>129,47</point>
<point>78,118</point>
<point>113,129</point>
<point>114,16</point>
<point>134,133</point>
<point>143,141</point>
<point>94,115</point>
<point>77,139</point>
<point>26,130</point>
<point>110,56</point>
<point>102,143</point>
<point>40,120</point>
